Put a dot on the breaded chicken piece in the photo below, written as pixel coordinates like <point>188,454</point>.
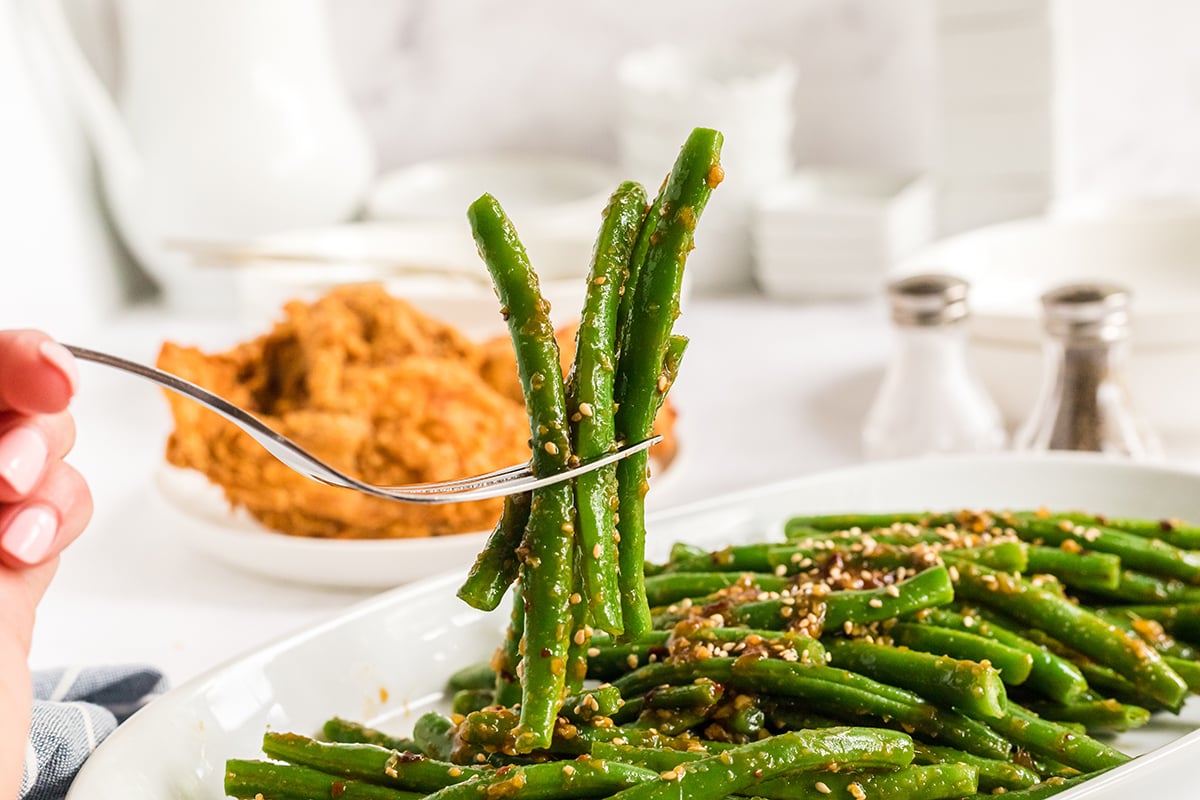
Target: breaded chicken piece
<point>366,382</point>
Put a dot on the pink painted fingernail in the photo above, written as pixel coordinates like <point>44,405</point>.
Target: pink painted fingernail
<point>30,534</point>
<point>61,359</point>
<point>23,454</point>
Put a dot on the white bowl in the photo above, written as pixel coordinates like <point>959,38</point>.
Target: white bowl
<point>1155,255</point>
<point>385,661</point>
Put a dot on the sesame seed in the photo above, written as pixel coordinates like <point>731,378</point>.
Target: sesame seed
<point>551,448</point>
<point>823,788</point>
<point>585,409</point>
<point>597,551</point>
<point>875,602</point>
<point>593,652</point>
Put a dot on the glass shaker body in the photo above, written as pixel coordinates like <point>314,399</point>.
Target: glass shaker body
<point>1083,403</point>
<point>930,401</point>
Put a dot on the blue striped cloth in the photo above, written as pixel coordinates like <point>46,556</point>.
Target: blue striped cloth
<point>73,710</point>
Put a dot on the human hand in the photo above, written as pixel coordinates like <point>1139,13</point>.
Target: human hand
<point>44,503</point>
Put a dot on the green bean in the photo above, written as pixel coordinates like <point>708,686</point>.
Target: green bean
<point>993,773</point>
<point>1138,587</point>
<point>608,660</point>
<point>1056,741</point>
<point>492,730</point>
<point>869,522</point>
<point>1051,675</point>
<point>654,307</point>
<point>737,769</point>
<point>546,572</point>
<point>945,779</point>
<point>556,780</point>
<point>930,782</point>
<point>1098,714</point>
<point>671,587</point>
<point>434,735</point>
<point>347,732</point>
<point>1014,665</point>
<point>1181,621</point>
<point>670,721</point>
<point>1007,556</point>
<point>508,655</point>
<point>1050,787</point>
<point>590,402</point>
<point>479,675</point>
<point>602,701</point>
<point>497,566</point>
<point>1075,569</point>
<point>926,589</point>
<point>263,780</point>
<point>464,701</point>
<point>581,631</point>
<point>1108,681</point>
<point>829,691</point>
<point>1074,627</point>
<point>1147,555</point>
<point>366,762</point>
<point>633,272</point>
<point>967,686</point>
<point>1172,531</point>
<point>700,694</point>
<point>1151,632</point>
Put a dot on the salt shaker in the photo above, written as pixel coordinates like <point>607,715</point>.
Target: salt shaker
<point>1083,403</point>
<point>930,401</point>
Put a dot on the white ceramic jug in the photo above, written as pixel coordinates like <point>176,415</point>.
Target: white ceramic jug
<point>231,122</point>
<point>60,268</point>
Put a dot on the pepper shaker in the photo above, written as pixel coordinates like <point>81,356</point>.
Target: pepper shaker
<point>930,400</point>
<point>1083,403</point>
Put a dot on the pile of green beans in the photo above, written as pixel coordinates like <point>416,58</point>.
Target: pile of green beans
<point>575,550</point>
<point>866,656</point>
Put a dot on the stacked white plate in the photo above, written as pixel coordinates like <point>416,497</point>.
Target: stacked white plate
<point>994,117</point>
<point>666,92</point>
<point>834,233</point>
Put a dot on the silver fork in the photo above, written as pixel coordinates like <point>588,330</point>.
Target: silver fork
<point>510,480</point>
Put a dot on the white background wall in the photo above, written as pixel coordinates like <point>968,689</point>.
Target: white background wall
<point>435,77</point>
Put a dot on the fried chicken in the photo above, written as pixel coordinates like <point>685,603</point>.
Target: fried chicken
<point>380,391</point>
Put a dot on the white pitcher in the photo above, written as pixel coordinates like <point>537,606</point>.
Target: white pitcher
<point>231,123</point>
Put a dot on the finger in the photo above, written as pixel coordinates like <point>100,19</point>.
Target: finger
<point>37,374</point>
<point>38,528</point>
<point>28,445</point>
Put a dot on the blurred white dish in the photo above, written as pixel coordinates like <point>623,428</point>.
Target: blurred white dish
<point>665,92</point>
<point>439,271</point>
<point>385,661</point>
<point>206,523</point>
<point>829,232</point>
<point>532,189</point>
<point>1155,255</point>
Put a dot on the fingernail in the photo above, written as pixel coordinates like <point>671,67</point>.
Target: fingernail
<point>23,454</point>
<point>61,359</point>
<point>30,534</point>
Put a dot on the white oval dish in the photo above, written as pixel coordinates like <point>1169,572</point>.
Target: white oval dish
<point>385,661</point>
<point>207,524</point>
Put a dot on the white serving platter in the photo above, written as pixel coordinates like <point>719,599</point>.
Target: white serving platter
<point>385,661</point>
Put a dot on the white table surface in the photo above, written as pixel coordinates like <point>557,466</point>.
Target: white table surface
<point>768,391</point>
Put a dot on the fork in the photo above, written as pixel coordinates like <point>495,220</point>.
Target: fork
<point>516,479</point>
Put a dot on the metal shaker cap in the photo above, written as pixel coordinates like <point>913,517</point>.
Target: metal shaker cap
<point>928,300</point>
<point>1087,312</point>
